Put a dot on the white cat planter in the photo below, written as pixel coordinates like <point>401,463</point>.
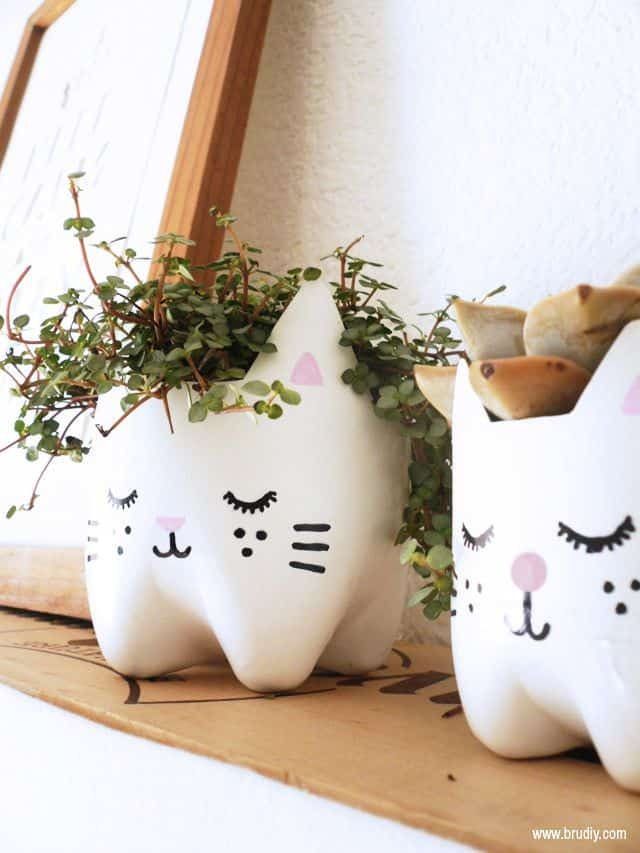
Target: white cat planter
<point>268,542</point>
<point>546,632</point>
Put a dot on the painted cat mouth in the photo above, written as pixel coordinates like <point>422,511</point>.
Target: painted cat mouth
<point>527,627</point>
<point>173,551</point>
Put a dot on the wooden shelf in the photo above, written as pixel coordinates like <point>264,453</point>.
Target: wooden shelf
<point>394,743</point>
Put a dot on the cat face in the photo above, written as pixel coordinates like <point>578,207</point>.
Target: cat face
<point>259,530</point>
<point>547,510</point>
<point>250,533</point>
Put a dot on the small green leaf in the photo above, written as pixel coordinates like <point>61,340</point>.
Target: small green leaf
<point>21,321</point>
<point>389,391</point>
<point>438,428</point>
<point>11,511</point>
<point>432,537</point>
<point>419,596</point>
<point>275,411</point>
<point>218,391</point>
<point>440,557</point>
<point>433,609</point>
<point>197,412</point>
<point>311,274</point>
<point>407,551</point>
<point>185,272</point>
<point>387,403</point>
<point>256,388</point>
<point>289,396</point>
<point>176,354</point>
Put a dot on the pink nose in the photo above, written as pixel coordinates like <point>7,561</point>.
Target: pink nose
<point>529,572</point>
<point>170,523</point>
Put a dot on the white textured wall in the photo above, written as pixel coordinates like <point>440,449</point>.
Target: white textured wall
<point>474,143</point>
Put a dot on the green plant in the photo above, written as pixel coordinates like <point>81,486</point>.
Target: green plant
<point>387,349</point>
<point>149,336</point>
<point>145,337</point>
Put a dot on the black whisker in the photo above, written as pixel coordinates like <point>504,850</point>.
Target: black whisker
<point>94,524</point>
<point>310,546</point>
<point>91,557</point>
<point>312,528</point>
<point>308,567</point>
<point>92,539</point>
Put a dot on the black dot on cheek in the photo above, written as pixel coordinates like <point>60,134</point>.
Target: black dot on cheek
<point>479,587</point>
<point>120,550</point>
<point>608,587</point>
<point>471,608</point>
<point>239,532</point>
<point>635,584</point>
<point>247,552</point>
<point>127,530</point>
<point>621,608</point>
<point>466,584</point>
<point>261,535</point>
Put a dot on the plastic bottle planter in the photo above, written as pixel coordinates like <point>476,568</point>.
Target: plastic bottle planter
<point>546,635</point>
<point>268,542</point>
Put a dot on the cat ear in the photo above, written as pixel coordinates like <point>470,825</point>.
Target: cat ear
<point>467,407</point>
<point>615,385</point>
<point>308,354</point>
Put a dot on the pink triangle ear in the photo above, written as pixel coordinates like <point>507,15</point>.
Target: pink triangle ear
<point>306,371</point>
<point>631,402</point>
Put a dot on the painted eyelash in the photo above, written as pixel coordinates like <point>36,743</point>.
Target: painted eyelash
<point>477,542</point>
<point>122,503</point>
<point>250,506</point>
<point>597,544</point>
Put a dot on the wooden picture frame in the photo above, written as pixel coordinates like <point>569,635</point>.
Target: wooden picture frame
<point>204,172</point>
<point>208,156</point>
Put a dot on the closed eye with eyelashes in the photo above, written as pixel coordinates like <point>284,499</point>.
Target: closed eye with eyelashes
<point>251,506</point>
<point>476,543</point>
<point>122,503</point>
<point>597,544</point>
